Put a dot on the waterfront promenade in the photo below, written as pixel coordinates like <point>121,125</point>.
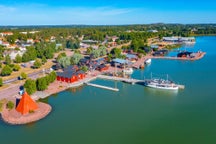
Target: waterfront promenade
<point>13,89</point>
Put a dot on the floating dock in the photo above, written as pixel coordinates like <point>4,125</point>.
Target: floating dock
<point>103,87</point>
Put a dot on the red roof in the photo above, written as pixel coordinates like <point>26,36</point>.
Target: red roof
<point>26,104</point>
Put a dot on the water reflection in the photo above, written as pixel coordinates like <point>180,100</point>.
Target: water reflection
<point>159,92</point>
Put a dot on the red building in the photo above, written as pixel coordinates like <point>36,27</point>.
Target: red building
<point>70,76</point>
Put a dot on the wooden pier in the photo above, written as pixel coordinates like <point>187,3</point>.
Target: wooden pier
<point>103,87</point>
<point>127,80</point>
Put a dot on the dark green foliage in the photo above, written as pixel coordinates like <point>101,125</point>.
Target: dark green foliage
<point>60,56</point>
<point>7,60</point>
<point>18,59</point>
<point>41,84</point>
<point>37,63</point>
<point>23,75</point>
<point>52,76</point>
<point>10,105</point>
<point>64,61</point>
<point>84,68</point>
<point>44,60</point>
<point>6,71</point>
<point>76,58</point>
<point>30,86</point>
<point>30,54</point>
<point>16,67</point>
<point>72,44</point>
<point>1,82</point>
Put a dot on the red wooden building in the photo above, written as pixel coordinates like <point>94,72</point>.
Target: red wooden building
<point>70,76</point>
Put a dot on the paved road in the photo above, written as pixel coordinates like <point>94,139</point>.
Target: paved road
<point>13,89</point>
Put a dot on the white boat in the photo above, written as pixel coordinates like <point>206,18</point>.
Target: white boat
<point>128,71</point>
<point>148,61</point>
<point>161,84</point>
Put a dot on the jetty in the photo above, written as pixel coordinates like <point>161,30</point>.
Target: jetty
<point>103,87</point>
<point>127,80</point>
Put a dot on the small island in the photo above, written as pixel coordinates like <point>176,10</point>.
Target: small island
<point>26,111</point>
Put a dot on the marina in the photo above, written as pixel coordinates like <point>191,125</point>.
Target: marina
<point>147,112</point>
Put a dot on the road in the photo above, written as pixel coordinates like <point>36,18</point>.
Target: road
<point>32,75</point>
<point>14,88</point>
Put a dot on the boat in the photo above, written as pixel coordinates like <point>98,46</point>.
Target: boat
<point>128,71</point>
<point>159,83</point>
<point>148,61</point>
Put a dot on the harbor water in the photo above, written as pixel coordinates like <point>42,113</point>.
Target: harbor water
<point>135,114</point>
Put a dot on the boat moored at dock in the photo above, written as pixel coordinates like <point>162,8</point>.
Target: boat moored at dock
<point>147,61</point>
<point>159,83</point>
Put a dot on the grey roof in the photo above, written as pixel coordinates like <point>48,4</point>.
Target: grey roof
<point>121,61</point>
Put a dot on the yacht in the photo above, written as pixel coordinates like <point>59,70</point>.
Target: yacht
<point>161,84</point>
<point>148,61</point>
<point>128,71</point>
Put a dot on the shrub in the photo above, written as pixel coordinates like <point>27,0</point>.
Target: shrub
<point>10,105</point>
<point>1,82</point>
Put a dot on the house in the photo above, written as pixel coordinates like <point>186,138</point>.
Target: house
<point>6,34</point>
<point>33,32</point>
<point>185,54</point>
<point>14,53</point>
<point>6,44</point>
<point>102,67</point>
<point>152,31</point>
<point>70,76</point>
<point>25,33</point>
<point>30,41</point>
<point>131,57</point>
<point>160,52</point>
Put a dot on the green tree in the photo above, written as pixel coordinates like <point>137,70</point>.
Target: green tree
<point>102,50</point>
<point>6,70</point>
<point>16,67</point>
<point>44,60</point>
<point>60,56</point>
<point>117,52</point>
<point>30,54</point>
<point>89,50</point>
<point>37,63</point>
<point>18,59</point>
<point>30,86</point>
<point>76,58</point>
<point>1,82</point>
<point>10,105</point>
<point>64,61</point>
<point>52,76</point>
<point>41,84</point>
<point>84,68</point>
<point>7,60</point>
<point>23,75</point>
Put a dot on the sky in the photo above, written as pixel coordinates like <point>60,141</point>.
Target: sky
<point>106,12</point>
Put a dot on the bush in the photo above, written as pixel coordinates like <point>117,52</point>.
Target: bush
<point>1,82</point>
<point>23,75</point>
<point>42,84</point>
<point>10,105</point>
<point>6,70</point>
<point>16,68</point>
<point>30,86</point>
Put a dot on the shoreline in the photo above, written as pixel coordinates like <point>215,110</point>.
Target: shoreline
<point>15,118</point>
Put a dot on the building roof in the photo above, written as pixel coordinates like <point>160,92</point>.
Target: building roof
<point>121,61</point>
<point>26,104</point>
<point>131,56</point>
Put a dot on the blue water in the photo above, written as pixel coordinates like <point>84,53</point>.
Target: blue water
<point>135,114</point>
